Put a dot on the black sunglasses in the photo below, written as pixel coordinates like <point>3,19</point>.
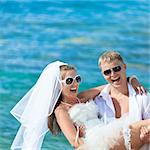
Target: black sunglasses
<point>108,71</point>
<point>69,80</point>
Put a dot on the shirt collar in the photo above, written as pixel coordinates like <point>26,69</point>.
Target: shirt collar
<point>105,92</point>
<point>105,95</point>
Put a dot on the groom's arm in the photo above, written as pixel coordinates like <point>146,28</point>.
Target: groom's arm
<point>93,92</point>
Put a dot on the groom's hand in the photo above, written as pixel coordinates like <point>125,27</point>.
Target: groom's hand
<point>145,134</point>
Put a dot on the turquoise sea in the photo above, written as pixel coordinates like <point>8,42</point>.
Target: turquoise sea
<point>34,33</point>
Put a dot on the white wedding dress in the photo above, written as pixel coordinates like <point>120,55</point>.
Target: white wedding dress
<point>98,136</point>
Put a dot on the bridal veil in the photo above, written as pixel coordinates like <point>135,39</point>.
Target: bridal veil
<point>33,109</point>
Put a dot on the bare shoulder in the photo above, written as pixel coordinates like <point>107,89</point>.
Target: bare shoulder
<point>59,109</point>
<point>60,112</point>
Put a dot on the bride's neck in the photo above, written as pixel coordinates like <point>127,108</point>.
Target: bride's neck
<point>71,100</point>
<point>67,104</point>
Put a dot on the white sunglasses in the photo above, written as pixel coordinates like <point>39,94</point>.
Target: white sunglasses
<point>69,80</point>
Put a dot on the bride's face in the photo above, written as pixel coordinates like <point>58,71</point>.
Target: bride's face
<point>70,84</point>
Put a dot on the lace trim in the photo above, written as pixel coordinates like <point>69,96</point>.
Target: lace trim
<point>127,138</point>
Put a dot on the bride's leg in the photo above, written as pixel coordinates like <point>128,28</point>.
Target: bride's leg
<point>135,136</point>
<point>136,142</point>
<point>120,145</point>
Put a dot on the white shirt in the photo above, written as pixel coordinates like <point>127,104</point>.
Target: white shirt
<point>139,105</point>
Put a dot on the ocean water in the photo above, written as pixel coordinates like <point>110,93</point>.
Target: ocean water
<point>35,33</point>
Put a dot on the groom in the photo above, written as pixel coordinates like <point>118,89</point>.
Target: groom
<point>118,97</point>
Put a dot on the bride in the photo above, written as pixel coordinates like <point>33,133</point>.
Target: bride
<point>52,103</point>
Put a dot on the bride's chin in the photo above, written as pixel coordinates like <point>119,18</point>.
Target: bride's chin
<point>71,96</point>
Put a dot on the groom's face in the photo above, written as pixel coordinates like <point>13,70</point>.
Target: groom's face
<point>114,72</point>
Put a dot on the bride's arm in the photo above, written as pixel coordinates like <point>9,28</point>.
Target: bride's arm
<point>67,127</point>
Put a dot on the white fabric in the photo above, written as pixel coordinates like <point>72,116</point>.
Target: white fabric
<point>83,113</point>
<point>98,136</point>
<point>139,107</point>
<point>33,109</point>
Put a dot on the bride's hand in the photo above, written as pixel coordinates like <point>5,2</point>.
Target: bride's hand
<point>82,130</point>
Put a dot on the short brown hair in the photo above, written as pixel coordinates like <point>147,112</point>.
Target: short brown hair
<point>109,56</point>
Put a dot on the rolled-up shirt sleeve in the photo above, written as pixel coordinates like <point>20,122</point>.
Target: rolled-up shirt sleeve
<point>146,106</point>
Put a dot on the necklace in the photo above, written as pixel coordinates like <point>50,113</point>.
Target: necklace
<point>70,105</point>
<point>66,104</point>
<point>78,100</point>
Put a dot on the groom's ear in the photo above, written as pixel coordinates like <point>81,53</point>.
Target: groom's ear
<point>125,66</point>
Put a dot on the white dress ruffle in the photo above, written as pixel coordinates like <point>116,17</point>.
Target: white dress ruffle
<point>98,136</point>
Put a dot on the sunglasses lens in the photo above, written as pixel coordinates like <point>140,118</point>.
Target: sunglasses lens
<point>117,69</point>
<point>69,81</point>
<point>78,79</point>
<point>107,72</point>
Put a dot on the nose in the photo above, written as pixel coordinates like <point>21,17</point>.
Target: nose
<point>112,72</point>
<point>75,83</point>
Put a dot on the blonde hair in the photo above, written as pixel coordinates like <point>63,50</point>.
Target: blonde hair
<point>65,68</point>
<point>109,56</point>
